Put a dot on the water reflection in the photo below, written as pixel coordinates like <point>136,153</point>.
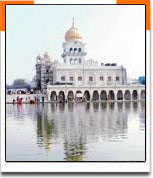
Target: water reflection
<point>44,131</point>
<point>81,124</point>
<point>75,127</point>
<point>127,105</point>
<point>74,151</point>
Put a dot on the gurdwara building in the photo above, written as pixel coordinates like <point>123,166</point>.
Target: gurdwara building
<point>80,78</point>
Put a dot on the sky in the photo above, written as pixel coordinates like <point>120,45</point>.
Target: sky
<point>112,33</point>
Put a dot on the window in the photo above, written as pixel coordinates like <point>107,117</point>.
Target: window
<point>75,49</point>
<point>47,81</point>
<point>75,60</point>
<point>71,78</point>
<point>101,78</point>
<point>109,79</point>
<point>71,61</point>
<point>79,60</point>
<point>47,70</point>
<point>62,78</point>
<point>117,78</point>
<point>79,78</point>
<point>71,49</point>
<point>79,49</point>
<point>90,78</point>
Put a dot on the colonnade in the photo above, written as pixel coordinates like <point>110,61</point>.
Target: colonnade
<point>96,95</point>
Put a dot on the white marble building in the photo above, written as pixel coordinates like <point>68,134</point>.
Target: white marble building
<point>78,76</point>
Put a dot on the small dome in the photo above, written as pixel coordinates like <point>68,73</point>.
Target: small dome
<point>73,34</point>
<point>46,55</point>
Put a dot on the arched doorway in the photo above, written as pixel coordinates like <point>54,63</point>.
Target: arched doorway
<point>53,96</point>
<point>70,96</point>
<point>127,95</point>
<point>119,95</point>
<point>79,96</point>
<point>142,95</point>
<point>111,95</point>
<point>95,95</point>
<point>61,97</point>
<point>103,95</point>
<point>134,95</point>
<point>87,95</point>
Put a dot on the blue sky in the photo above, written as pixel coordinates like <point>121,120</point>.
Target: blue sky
<point>112,33</point>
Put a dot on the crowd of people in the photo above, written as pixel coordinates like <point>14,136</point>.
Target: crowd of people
<point>20,100</point>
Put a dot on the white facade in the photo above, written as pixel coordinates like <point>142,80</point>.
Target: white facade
<point>79,74</point>
<point>79,70</point>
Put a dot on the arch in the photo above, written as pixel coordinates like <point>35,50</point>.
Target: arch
<point>75,61</point>
<point>61,97</point>
<point>127,95</point>
<point>134,95</point>
<point>70,96</point>
<point>53,96</point>
<point>111,95</point>
<point>79,95</point>
<point>119,95</point>
<point>71,61</point>
<point>20,91</point>
<point>87,95</point>
<point>142,95</point>
<point>103,95</point>
<point>95,95</point>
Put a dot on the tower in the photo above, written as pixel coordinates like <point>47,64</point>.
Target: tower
<point>44,71</point>
<point>73,47</point>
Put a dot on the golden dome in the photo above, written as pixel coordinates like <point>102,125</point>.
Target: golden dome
<point>73,34</point>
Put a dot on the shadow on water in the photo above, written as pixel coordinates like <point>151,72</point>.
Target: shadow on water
<point>87,107</point>
<point>127,105</point>
<point>53,107</point>
<point>71,107</point>
<point>120,106</point>
<point>103,105</point>
<point>95,106</point>
<point>111,105</point>
<point>61,107</point>
<point>135,105</point>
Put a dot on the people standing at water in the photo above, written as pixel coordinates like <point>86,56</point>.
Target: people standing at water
<point>13,101</point>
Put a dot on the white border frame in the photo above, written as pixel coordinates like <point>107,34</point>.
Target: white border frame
<point>74,166</point>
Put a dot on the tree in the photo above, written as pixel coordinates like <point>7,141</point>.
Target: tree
<point>20,82</point>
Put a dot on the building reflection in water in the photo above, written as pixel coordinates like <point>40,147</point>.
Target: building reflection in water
<point>74,151</point>
<point>44,129</point>
<point>142,115</point>
<point>77,125</point>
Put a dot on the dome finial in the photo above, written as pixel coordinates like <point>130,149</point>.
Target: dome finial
<point>73,33</point>
<point>73,22</point>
